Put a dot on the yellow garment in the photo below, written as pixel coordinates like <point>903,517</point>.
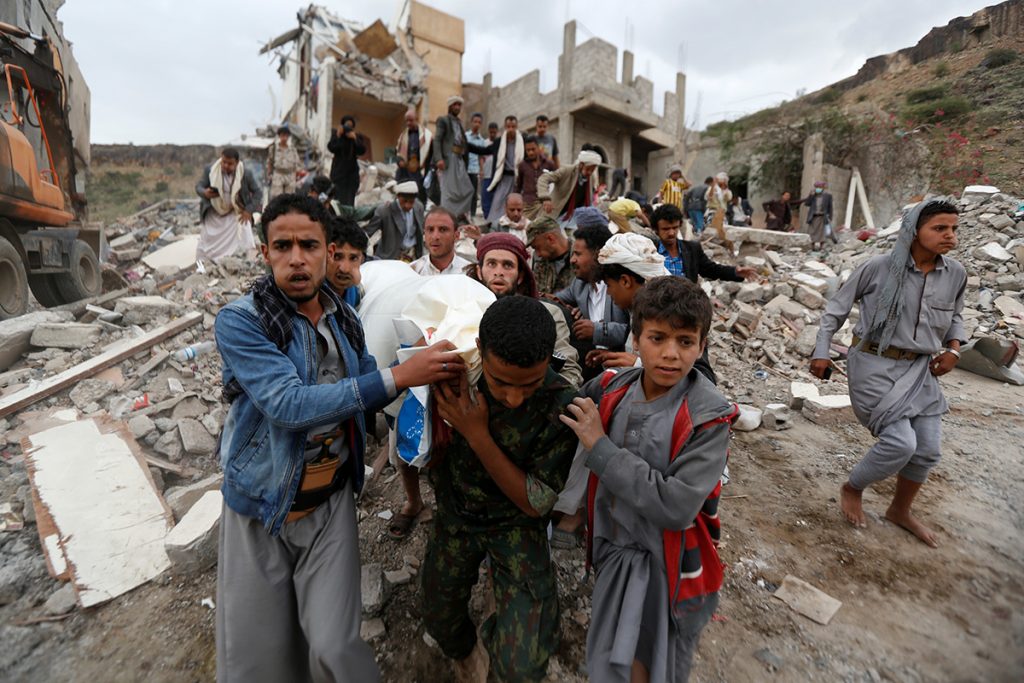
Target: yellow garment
<point>672,192</point>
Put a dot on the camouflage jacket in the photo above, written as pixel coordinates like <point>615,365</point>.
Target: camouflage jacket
<point>549,278</point>
<point>532,437</point>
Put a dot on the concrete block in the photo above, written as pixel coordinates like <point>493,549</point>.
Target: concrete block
<point>90,391</point>
<point>169,445</point>
<point>192,544</point>
<point>775,305</point>
<point>143,310</point>
<point>829,410</point>
<point>1001,221</point>
<point>372,629</point>
<point>375,590</point>
<point>809,297</point>
<point>16,333</point>
<point>141,425</point>
<point>992,252</point>
<point>799,392</point>
<point>807,340</point>
<point>65,335</point>
<point>195,438</point>
<point>793,310</point>
<point>1009,306</point>
<point>819,269</point>
<point>815,283</point>
<point>750,292</point>
<point>399,577</point>
<point>770,237</point>
<point>783,289</point>
<point>749,419</point>
<point>777,416</point>
<point>181,498</point>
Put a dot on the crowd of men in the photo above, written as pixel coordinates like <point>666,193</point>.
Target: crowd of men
<point>595,421</point>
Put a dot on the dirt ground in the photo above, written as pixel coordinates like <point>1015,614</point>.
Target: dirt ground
<point>909,613</point>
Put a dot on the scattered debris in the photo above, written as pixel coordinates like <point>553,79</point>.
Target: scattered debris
<point>804,598</point>
<point>192,544</point>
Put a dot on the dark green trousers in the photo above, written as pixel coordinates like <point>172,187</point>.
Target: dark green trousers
<point>523,632</point>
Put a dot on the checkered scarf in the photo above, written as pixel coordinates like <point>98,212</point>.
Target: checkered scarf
<point>276,315</point>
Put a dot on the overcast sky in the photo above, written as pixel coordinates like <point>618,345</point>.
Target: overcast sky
<point>185,71</point>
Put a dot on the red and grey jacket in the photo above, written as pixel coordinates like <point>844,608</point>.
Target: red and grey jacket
<point>690,556</point>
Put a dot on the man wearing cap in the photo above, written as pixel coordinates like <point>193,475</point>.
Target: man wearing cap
<point>675,185</point>
<point>819,215</point>
<point>414,146</point>
<point>552,251</point>
<point>450,149</point>
<point>400,224</point>
<point>568,188</point>
<point>283,164</point>
<point>503,266</point>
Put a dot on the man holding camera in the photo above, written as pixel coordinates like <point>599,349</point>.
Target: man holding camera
<point>346,146</point>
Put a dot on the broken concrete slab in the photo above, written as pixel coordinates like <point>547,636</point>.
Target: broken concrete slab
<point>375,590</point>
<point>807,600</point>
<point>777,416</point>
<point>748,420</point>
<point>141,425</point>
<point>978,194</point>
<point>90,391</point>
<point>191,545</point>
<point>799,392</point>
<point>774,238</point>
<point>1001,221</point>
<point>819,269</point>
<point>809,297</point>
<point>16,333</point>
<point>1009,306</point>
<point>177,255</point>
<point>372,629</point>
<point>816,283</point>
<point>65,335</point>
<point>195,437</point>
<point>829,410</point>
<point>181,498</point>
<point>806,341</point>
<point>992,357</point>
<point>993,251</point>
<point>399,577</point>
<point>750,292</point>
<point>169,445</point>
<point>145,310</point>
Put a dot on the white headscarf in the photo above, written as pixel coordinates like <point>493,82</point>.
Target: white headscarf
<point>635,253</point>
<point>588,158</point>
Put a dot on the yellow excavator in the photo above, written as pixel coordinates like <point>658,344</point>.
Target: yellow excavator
<point>43,242</point>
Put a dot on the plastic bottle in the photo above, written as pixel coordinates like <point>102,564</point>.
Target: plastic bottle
<point>190,352</point>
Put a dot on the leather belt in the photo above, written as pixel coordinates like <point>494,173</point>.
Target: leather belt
<point>458,150</point>
<point>892,352</point>
<point>320,480</point>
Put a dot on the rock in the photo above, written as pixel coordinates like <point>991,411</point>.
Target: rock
<point>809,297</point>
<point>195,438</point>
<point>144,310</point>
<point>141,425</point>
<point>189,407</point>
<point>992,252</point>
<point>775,305</point>
<point>777,416</point>
<point>749,419</point>
<point>750,292</point>
<point>770,237</point>
<point>815,283</point>
<point>800,391</point>
<point>62,601</point>
<point>1009,306</point>
<point>820,269</point>
<point>399,577</point>
<point>169,445</point>
<point>65,335</point>
<point>16,333</point>
<point>374,588</point>
<point>978,194</point>
<point>784,289</point>
<point>181,498</point>
<point>165,424</point>
<point>157,475</point>
<point>829,410</point>
<point>90,391</point>
<point>372,629</point>
<point>192,544</point>
<point>807,340</point>
<point>769,659</point>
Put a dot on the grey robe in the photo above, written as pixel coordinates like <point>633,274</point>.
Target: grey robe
<point>638,496</point>
<point>883,390</point>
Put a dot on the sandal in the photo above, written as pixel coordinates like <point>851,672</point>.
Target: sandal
<point>401,525</point>
<point>564,540</point>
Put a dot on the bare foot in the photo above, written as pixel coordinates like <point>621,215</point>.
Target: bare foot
<point>412,509</point>
<point>913,525</point>
<point>850,502</point>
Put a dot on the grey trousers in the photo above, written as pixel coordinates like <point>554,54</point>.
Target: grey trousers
<point>288,608</point>
<point>909,447</point>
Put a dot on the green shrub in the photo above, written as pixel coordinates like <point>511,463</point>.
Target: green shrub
<point>929,93</point>
<point>999,57</point>
<point>161,187</point>
<point>827,96</point>
<point>944,109</point>
<point>941,69</point>
<point>862,97</point>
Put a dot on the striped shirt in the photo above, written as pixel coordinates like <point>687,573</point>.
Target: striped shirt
<point>672,192</point>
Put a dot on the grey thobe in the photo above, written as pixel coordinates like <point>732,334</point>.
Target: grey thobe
<point>639,495</point>
<point>288,607</point>
<point>504,187</point>
<point>888,395</point>
<point>456,186</point>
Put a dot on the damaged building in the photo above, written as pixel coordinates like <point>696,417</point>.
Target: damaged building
<point>332,66</point>
<point>590,105</point>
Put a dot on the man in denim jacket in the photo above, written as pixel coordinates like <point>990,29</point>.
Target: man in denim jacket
<point>299,378</point>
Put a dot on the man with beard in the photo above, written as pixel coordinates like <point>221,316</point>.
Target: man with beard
<point>450,149</point>
<point>400,223</point>
<point>414,146</point>
<point>343,274</point>
<point>529,170</point>
<point>298,379</point>
<point>503,266</point>
<point>229,196</point>
<point>568,188</point>
<point>508,153</point>
<point>439,236</point>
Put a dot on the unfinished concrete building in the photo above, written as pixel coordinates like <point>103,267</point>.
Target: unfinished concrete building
<point>332,66</point>
<point>590,105</point>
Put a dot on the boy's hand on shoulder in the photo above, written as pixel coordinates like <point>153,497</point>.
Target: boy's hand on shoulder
<point>943,363</point>
<point>466,415</point>
<point>584,419</point>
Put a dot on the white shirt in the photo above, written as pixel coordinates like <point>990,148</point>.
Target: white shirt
<point>424,266</point>
<point>597,294</point>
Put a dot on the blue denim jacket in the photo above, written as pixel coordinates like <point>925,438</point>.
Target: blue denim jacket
<point>261,448</point>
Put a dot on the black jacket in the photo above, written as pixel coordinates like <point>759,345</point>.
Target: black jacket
<point>697,264</point>
<point>346,153</point>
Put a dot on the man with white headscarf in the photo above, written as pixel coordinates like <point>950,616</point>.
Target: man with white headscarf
<point>450,159</point>
<point>510,152</point>
<point>568,188</point>
<point>909,333</point>
<point>229,196</point>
